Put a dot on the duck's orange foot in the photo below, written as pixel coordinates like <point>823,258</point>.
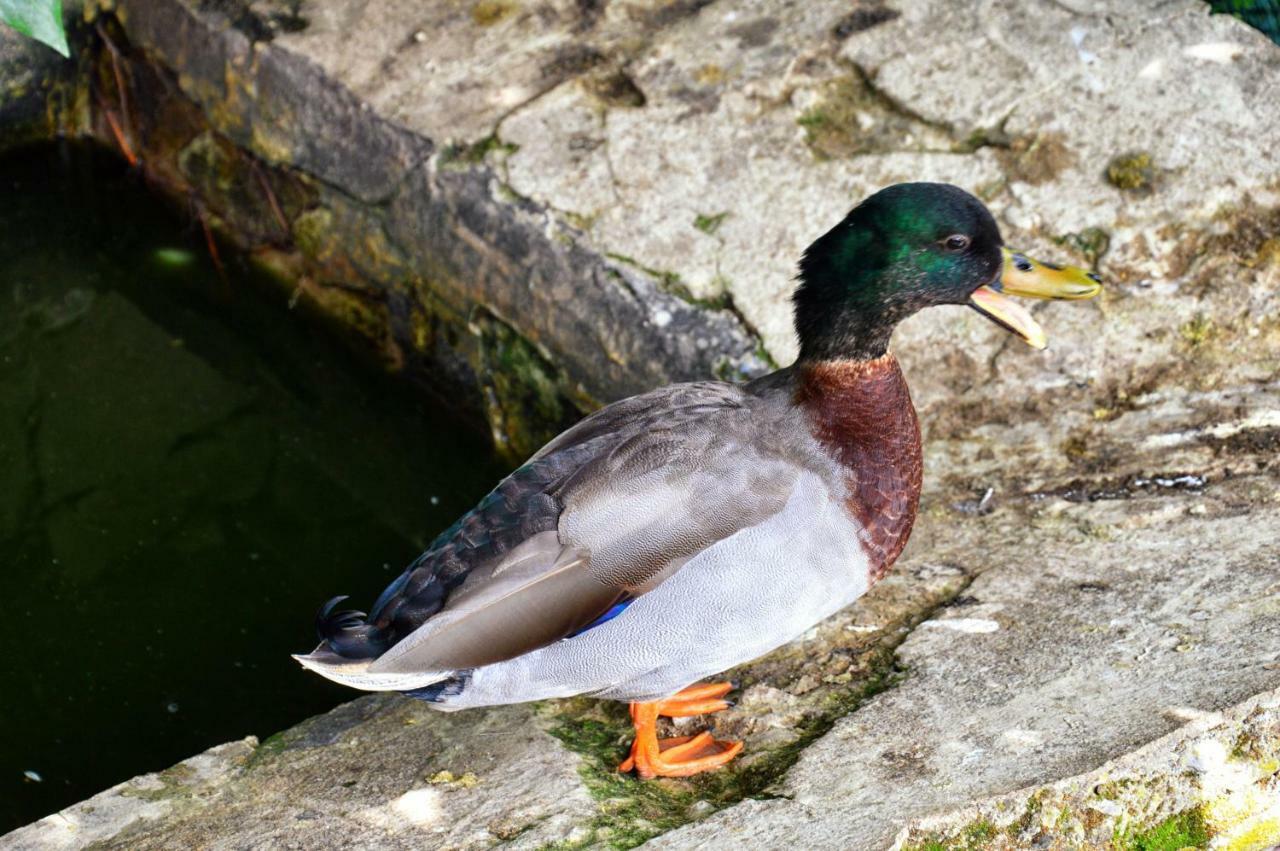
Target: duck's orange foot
<point>681,756</point>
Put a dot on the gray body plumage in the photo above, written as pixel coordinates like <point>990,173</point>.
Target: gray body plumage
<point>711,504</point>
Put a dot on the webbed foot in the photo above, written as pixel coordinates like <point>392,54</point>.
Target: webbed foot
<point>680,756</point>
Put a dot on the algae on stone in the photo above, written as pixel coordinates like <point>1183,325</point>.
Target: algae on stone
<point>1132,172</point>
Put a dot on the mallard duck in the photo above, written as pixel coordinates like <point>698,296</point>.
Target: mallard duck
<point>676,534</point>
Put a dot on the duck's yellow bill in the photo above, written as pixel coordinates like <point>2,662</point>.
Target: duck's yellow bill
<point>1009,314</point>
<point>1036,279</point>
<point>1023,276</point>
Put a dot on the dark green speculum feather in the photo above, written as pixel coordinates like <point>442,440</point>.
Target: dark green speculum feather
<point>905,248</point>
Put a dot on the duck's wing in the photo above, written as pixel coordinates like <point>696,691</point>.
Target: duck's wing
<point>603,513</point>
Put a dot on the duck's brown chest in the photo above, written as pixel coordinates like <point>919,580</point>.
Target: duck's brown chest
<point>862,414</point>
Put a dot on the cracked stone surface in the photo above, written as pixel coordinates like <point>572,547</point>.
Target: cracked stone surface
<point>1064,655</point>
<point>799,109</point>
<point>1090,593</point>
<point>1218,766</point>
<point>374,773</point>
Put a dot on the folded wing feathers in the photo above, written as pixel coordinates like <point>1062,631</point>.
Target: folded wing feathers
<point>527,602</point>
<point>498,583</point>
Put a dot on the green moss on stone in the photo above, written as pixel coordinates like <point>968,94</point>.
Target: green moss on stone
<point>831,126</point>
<point>981,137</point>
<point>581,221</point>
<point>671,283</point>
<point>972,837</point>
<point>1131,172</point>
<point>631,811</point>
<point>523,389</point>
<point>980,833</point>
<point>709,224</point>
<point>676,287</point>
<point>1197,331</point>
<point>486,13</point>
<point>477,152</point>
<point>1030,816</point>
<point>1184,830</point>
<point>851,117</point>
<point>267,750</point>
<point>312,230</point>
<point>1092,243</point>
<point>834,125</point>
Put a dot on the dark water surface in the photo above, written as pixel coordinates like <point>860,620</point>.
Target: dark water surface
<point>186,472</point>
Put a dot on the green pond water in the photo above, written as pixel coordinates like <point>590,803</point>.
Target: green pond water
<point>186,472</point>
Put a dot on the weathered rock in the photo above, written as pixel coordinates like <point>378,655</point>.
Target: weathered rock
<point>1214,777</point>
<point>1104,627</point>
<point>375,773</point>
<point>628,185</point>
<point>416,247</point>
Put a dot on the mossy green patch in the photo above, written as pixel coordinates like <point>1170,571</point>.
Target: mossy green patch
<point>709,224</point>
<point>1197,331</point>
<point>1184,830</point>
<point>173,258</point>
<point>980,832</point>
<point>982,137</point>
<point>632,811</point>
<point>486,13</point>
<point>851,117</point>
<point>972,837</point>
<point>466,780</point>
<point>1132,172</point>
<point>581,221</point>
<point>476,152</point>
<point>671,283</point>
<point>312,230</point>
<point>1092,243</point>
<point>1030,815</point>
<point>523,390</point>
<point>676,287</point>
<point>832,126</point>
<point>267,750</point>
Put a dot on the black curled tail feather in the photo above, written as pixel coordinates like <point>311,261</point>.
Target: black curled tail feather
<point>348,634</point>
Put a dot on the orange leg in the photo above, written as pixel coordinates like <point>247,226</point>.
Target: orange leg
<point>683,755</point>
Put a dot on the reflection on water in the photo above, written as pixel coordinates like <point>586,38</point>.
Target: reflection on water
<point>186,473</point>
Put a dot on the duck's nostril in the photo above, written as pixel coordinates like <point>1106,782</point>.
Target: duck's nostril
<point>1094,276</point>
<point>1022,263</point>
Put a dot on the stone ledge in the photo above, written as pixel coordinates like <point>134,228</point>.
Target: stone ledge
<point>1214,779</point>
<point>419,249</point>
<point>374,773</point>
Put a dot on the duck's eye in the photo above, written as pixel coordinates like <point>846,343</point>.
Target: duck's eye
<point>956,242</point>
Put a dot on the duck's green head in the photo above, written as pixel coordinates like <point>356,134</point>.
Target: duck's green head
<point>910,246</point>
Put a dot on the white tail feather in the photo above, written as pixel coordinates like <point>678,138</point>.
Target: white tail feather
<point>355,673</point>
